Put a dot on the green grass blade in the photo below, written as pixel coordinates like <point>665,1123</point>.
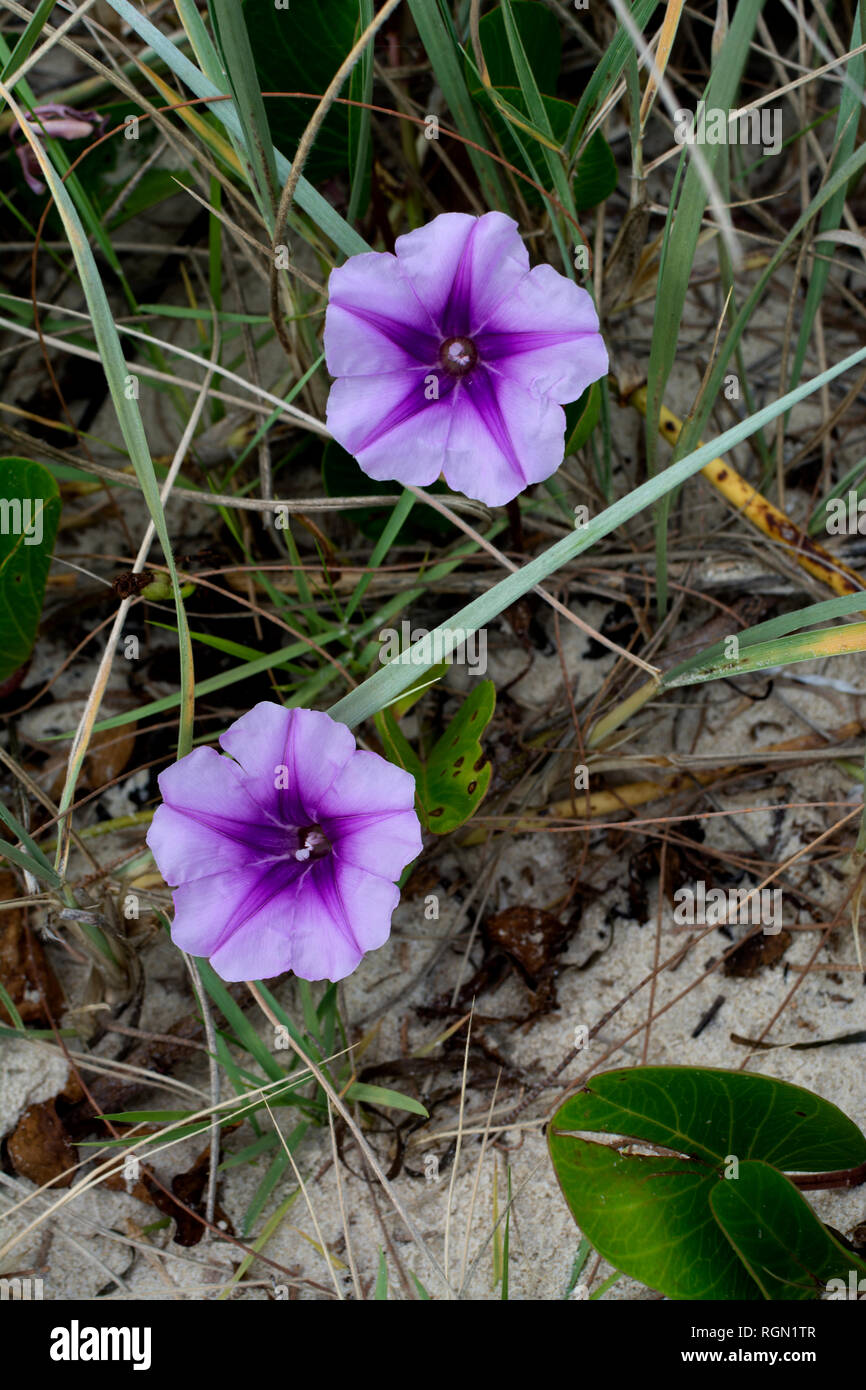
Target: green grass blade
<point>33,866</point>
<point>128,417</point>
<point>27,39</point>
<point>607,73</point>
<point>230,28</point>
<point>360,119</point>
<point>446,58</point>
<point>844,145</point>
<point>9,1005</point>
<point>21,834</point>
<point>782,651</point>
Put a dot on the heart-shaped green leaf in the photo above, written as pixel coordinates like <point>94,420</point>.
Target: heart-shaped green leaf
<point>29,513</point>
<point>788,1252</point>
<point>298,48</point>
<point>714,1114</point>
<point>651,1218</point>
<point>451,782</point>
<point>539,34</point>
<point>596,176</point>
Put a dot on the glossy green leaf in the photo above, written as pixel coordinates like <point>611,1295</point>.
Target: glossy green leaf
<point>788,1252</point>
<point>651,1218</point>
<point>596,176</point>
<point>452,781</point>
<point>298,49</point>
<point>711,1114</point>
<point>542,43</point>
<point>29,513</point>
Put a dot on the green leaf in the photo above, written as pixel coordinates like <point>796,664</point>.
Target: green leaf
<point>781,651</point>
<point>596,176</point>
<point>232,27</point>
<point>581,418</point>
<point>298,49</point>
<point>542,44</point>
<point>32,866</point>
<point>844,144</point>
<point>150,1117</point>
<point>422,1292</point>
<point>360,119</point>
<point>651,1218</point>
<point>411,696</point>
<point>788,1252</point>
<point>29,513</point>
<point>37,856</point>
<point>27,39</point>
<point>606,73</point>
<point>711,1114</point>
<point>318,208</point>
<point>380,1095</point>
<point>8,1004</point>
<point>452,781</point>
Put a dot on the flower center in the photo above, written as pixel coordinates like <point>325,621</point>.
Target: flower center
<point>312,844</point>
<point>458,355</point>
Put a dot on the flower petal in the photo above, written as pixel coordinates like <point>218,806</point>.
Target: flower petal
<point>241,921</point>
<point>389,425</point>
<point>310,745</point>
<point>374,321</point>
<point>545,336</point>
<point>185,848</point>
<point>461,266</point>
<point>502,438</point>
<point>341,912</point>
<point>368,814</point>
<point>208,819</point>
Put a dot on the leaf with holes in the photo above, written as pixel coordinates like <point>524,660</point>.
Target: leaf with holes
<point>29,513</point>
<point>651,1218</point>
<point>452,781</point>
<point>711,1217</point>
<point>709,1113</point>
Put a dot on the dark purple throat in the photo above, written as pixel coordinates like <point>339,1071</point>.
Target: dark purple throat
<point>311,843</point>
<point>458,355</point>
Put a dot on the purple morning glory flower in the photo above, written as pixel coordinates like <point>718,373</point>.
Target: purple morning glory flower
<point>453,357</point>
<point>284,853</point>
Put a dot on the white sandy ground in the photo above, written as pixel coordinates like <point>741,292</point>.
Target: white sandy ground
<point>94,1241</point>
